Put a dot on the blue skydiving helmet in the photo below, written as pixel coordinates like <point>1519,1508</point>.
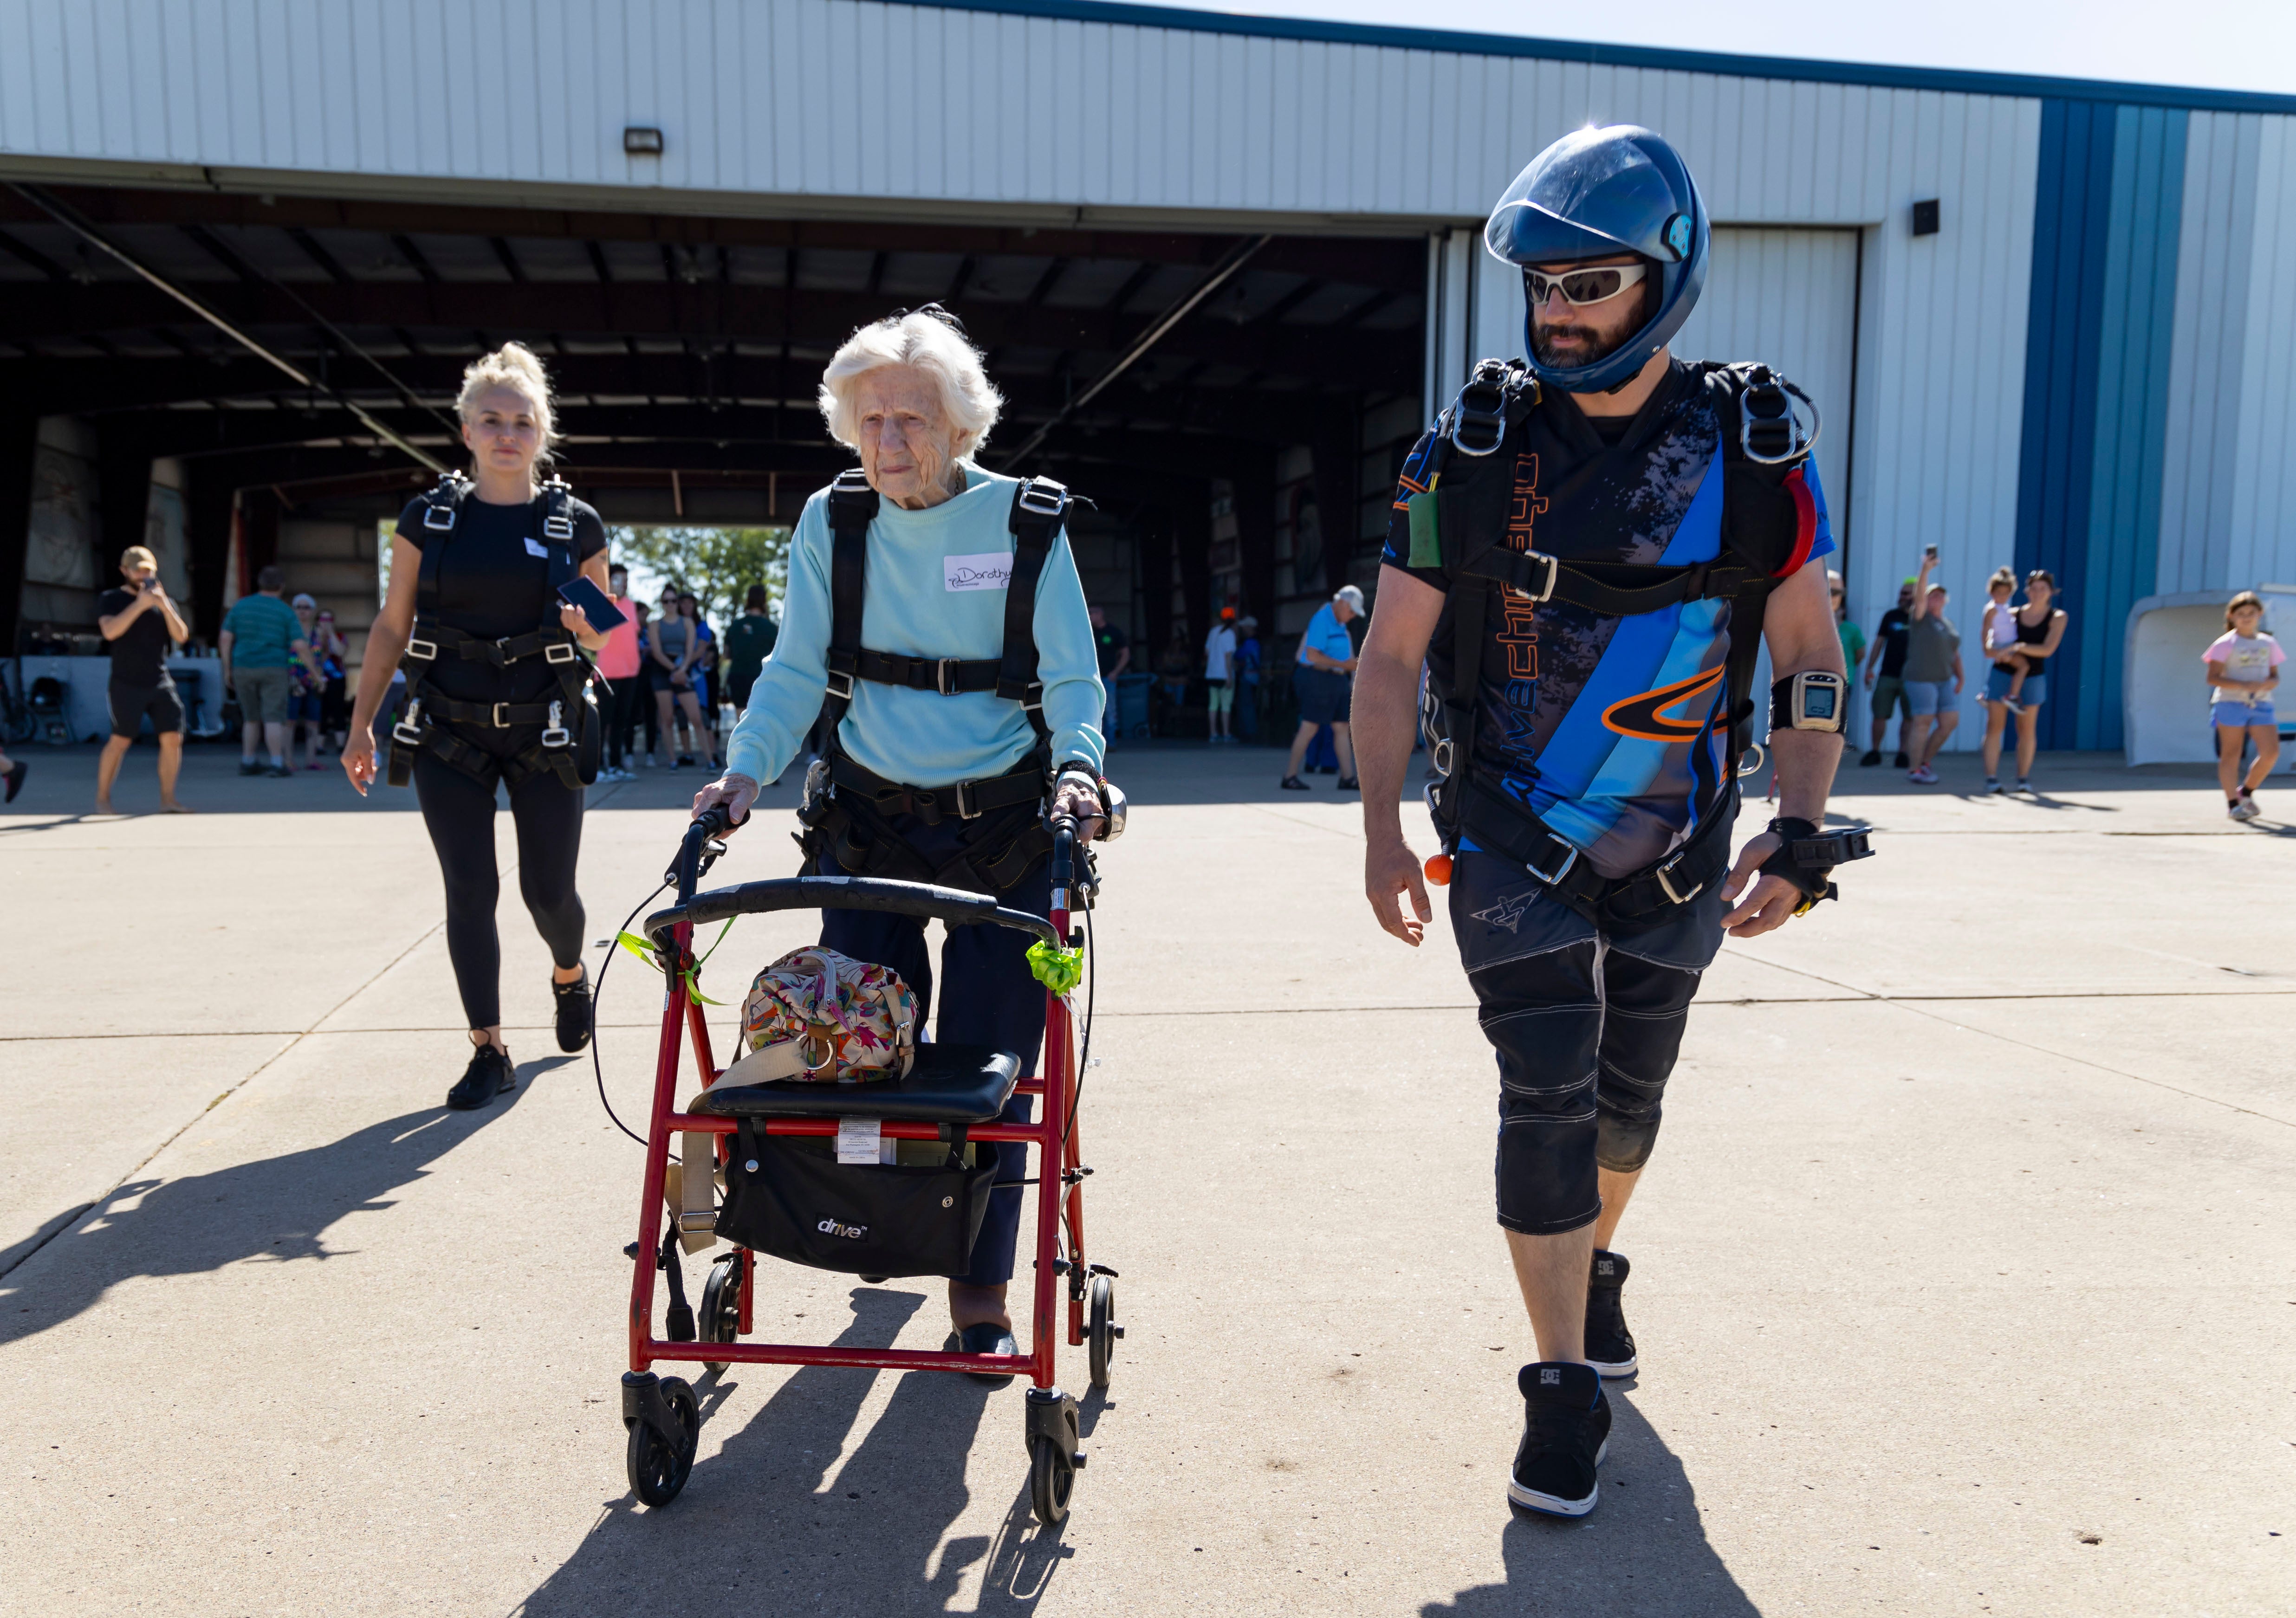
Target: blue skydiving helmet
<point>1593,194</point>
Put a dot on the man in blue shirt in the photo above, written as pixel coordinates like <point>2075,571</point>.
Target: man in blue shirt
<point>1319,678</point>
<point>1587,892</point>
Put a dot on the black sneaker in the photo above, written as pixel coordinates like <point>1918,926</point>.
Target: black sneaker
<point>1873,756</point>
<point>249,766</point>
<point>1348,783</point>
<point>1566,1430</point>
<point>487,1077</point>
<point>988,1337</point>
<point>279,771</point>
<point>1292,783</point>
<point>1610,1345</point>
<point>15,778</point>
<point>1905,760</point>
<point>573,1011</point>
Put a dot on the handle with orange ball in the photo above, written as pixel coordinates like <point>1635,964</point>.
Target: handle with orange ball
<point>1438,870</point>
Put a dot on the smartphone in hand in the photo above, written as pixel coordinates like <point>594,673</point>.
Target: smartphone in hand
<point>583,594</point>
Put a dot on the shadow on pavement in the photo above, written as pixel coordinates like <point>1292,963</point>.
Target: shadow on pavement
<point>797,1510</point>
<point>275,1209</point>
<point>1642,1554</point>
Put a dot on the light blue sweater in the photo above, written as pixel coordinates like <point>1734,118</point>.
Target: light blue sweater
<point>924,597</point>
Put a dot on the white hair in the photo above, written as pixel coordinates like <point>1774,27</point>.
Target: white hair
<point>968,399</point>
<point>517,367</point>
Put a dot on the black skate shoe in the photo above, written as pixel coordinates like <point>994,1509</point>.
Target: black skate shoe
<point>487,1077</point>
<point>1610,1345</point>
<point>1566,1428</point>
<point>573,1011</point>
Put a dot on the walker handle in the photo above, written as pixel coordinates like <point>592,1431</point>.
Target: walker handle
<point>949,905</point>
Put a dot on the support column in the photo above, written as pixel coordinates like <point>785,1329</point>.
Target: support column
<point>1191,535</point>
<point>1155,546</point>
<point>206,533</point>
<point>1254,479</point>
<point>19,432</point>
<point>123,493</point>
<point>259,524</point>
<point>1339,435</point>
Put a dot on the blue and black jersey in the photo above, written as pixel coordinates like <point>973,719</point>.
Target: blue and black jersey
<point>1613,729</point>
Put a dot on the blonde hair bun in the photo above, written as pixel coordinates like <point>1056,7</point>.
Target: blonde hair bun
<point>517,367</point>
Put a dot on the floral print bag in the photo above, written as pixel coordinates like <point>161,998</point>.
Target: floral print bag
<point>818,1015</point>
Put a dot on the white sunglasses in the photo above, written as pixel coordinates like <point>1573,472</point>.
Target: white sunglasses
<point>1582,287</point>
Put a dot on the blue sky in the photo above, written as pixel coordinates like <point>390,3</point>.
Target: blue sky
<point>2226,44</point>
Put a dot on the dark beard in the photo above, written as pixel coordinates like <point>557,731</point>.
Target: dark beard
<point>1597,348</point>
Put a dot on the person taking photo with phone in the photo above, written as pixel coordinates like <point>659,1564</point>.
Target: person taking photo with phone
<point>496,695</point>
<point>140,623</point>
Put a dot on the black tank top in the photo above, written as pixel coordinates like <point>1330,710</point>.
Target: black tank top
<point>493,581</point>
<point>2034,634</point>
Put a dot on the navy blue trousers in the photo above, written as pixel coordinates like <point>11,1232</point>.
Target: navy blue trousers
<point>987,997</point>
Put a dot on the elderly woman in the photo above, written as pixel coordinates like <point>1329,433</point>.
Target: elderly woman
<point>947,729</point>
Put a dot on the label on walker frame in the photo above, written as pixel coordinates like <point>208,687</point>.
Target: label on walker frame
<point>989,570</point>
<point>858,1140</point>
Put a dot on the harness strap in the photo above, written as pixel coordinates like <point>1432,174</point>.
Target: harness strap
<point>967,800</point>
<point>1040,507</point>
<point>1503,824</point>
<point>852,508</point>
<point>948,675</point>
<point>1614,589</point>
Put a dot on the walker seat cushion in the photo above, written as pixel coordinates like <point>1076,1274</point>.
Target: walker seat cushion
<point>945,1085</point>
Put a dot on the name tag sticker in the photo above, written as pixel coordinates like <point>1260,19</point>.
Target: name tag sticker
<point>991,570</point>
<point>534,548</point>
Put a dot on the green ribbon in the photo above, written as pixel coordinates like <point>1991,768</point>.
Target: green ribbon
<point>1058,969</point>
<point>642,948</point>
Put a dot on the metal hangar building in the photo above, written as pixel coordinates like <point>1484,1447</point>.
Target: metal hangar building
<point>1224,267</point>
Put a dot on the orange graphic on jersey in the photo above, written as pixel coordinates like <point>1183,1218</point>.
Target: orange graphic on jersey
<point>1521,637</point>
<point>1529,504</point>
<point>1643,718</point>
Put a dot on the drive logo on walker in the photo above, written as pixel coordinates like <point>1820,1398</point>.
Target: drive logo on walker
<point>830,1227</point>
<point>989,570</point>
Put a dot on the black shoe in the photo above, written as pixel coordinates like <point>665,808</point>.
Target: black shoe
<point>279,772</point>
<point>15,778</point>
<point>487,1077</point>
<point>573,1011</point>
<point>1905,761</point>
<point>985,1338</point>
<point>1566,1428</point>
<point>1873,756</point>
<point>249,766</point>
<point>1292,783</point>
<point>1348,783</point>
<point>1610,1345</point>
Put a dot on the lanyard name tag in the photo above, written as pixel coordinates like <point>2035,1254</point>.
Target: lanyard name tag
<point>858,1140</point>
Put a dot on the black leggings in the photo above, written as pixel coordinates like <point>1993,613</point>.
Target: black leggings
<point>460,814</point>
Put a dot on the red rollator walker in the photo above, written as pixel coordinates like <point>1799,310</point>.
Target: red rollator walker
<point>951,1094</point>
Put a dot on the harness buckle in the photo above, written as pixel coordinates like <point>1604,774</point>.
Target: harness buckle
<point>558,652</point>
<point>1441,757</point>
<point>842,693</point>
<point>1042,498</point>
<point>1479,418</point>
<point>432,515</point>
<point>1545,591</point>
<point>943,672</point>
<point>560,528</point>
<point>409,728</point>
<point>554,735</point>
<point>1569,858</point>
<point>423,652</point>
<point>1665,875</point>
<point>968,808</point>
<point>498,721</point>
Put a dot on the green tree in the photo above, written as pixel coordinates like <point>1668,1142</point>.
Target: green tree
<point>718,565</point>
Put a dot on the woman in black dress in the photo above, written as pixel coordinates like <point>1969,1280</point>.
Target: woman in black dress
<point>495,680</point>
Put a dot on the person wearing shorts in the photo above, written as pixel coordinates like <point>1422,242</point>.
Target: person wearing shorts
<point>1320,680</point>
<point>2041,627</point>
<point>1885,677</point>
<point>2244,666</point>
<point>261,639</point>
<point>140,623</point>
<point>1932,677</point>
<point>1219,669</point>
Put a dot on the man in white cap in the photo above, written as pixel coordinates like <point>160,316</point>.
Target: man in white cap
<point>1320,677</point>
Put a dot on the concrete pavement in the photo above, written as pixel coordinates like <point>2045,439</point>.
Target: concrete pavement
<point>1962,1276</point>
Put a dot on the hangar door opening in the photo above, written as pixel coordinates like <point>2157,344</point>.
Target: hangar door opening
<point>1788,297</point>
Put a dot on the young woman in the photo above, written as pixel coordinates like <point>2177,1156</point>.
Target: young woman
<point>2243,665</point>
<point>702,671</point>
<point>306,702</point>
<point>329,647</point>
<point>493,593</point>
<point>675,646</point>
<point>2040,628</point>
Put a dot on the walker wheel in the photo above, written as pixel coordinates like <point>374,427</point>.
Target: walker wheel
<point>721,1305</point>
<point>1051,1479</point>
<point>659,1466</point>
<point>1101,1331</point>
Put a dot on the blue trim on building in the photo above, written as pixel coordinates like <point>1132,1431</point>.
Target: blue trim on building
<point>2103,303</point>
<point>1794,68</point>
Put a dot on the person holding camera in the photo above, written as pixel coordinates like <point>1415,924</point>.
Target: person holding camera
<point>496,695</point>
<point>140,623</point>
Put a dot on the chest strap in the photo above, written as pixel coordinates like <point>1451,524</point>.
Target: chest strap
<point>967,800</point>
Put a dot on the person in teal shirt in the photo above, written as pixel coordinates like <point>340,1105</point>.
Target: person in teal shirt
<point>909,759</point>
<point>1319,678</point>
<point>262,638</point>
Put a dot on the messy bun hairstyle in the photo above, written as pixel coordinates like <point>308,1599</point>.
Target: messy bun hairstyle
<point>517,367</point>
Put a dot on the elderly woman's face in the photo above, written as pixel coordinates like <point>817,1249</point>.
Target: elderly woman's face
<point>907,445</point>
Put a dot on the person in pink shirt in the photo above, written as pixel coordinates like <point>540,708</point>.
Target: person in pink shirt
<point>617,661</point>
<point>2243,665</point>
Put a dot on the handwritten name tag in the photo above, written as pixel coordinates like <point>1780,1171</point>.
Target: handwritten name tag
<point>991,570</point>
